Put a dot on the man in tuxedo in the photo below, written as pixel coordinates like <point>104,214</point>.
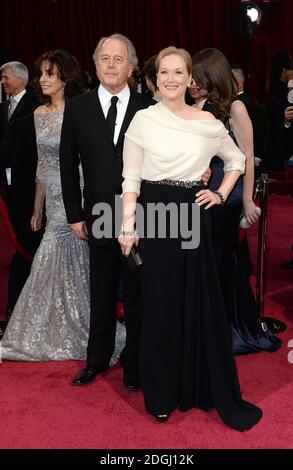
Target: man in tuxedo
<point>18,151</point>
<point>288,118</point>
<point>18,164</point>
<point>14,77</point>
<point>93,132</point>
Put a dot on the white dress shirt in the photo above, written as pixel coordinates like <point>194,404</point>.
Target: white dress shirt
<point>122,103</point>
<point>19,96</point>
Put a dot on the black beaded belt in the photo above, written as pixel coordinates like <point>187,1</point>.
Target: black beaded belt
<point>177,183</point>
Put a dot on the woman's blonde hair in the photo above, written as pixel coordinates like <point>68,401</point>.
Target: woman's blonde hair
<point>174,50</point>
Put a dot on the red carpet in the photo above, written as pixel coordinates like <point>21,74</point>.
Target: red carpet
<point>39,409</point>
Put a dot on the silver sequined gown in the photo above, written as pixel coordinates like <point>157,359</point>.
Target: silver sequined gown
<point>51,318</point>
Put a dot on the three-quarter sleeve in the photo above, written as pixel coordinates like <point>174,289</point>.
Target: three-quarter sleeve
<point>42,166</point>
<point>232,157</point>
<point>133,156</point>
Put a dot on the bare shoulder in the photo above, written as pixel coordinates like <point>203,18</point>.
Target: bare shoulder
<point>41,109</point>
<point>208,116</point>
<point>203,115</point>
<point>239,113</point>
<point>238,107</point>
<point>200,115</point>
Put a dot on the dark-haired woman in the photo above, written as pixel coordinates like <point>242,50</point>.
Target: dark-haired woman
<point>214,80</point>
<point>51,318</point>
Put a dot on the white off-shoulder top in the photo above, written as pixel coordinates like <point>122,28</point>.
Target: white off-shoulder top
<point>160,145</point>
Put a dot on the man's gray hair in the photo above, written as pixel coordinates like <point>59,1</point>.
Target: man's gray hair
<point>131,52</point>
<point>18,69</point>
<point>238,74</point>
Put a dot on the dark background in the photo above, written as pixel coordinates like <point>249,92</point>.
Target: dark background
<point>30,27</point>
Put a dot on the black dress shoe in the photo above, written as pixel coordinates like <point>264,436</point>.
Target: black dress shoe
<point>131,381</point>
<point>87,375</point>
<point>162,418</point>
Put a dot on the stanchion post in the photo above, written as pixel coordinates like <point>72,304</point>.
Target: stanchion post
<point>267,323</point>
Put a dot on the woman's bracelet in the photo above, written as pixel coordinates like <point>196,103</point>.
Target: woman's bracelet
<point>222,199</point>
<point>128,233</point>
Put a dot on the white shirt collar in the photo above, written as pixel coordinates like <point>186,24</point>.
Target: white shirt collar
<point>19,95</point>
<point>105,96</point>
<point>201,104</point>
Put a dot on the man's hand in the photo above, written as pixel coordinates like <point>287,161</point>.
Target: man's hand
<point>80,230</point>
<point>289,114</point>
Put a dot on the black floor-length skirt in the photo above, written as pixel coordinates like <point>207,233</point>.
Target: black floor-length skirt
<point>186,350</point>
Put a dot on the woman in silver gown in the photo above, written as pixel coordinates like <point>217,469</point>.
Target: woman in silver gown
<point>51,318</point>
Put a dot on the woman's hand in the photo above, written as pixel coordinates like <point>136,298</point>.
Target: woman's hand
<point>127,239</point>
<point>251,211</point>
<point>37,221</point>
<point>205,196</point>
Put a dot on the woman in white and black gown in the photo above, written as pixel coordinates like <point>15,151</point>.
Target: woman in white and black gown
<point>184,361</point>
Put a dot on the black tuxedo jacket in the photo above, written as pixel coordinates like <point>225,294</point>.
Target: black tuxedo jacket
<point>18,151</point>
<point>26,106</point>
<point>86,137</point>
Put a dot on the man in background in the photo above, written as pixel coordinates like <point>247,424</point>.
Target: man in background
<point>17,166</point>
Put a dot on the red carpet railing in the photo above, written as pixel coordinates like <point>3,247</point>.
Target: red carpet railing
<point>10,232</point>
<point>13,239</point>
<point>261,193</point>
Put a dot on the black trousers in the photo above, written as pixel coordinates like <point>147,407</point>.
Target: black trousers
<point>106,263</point>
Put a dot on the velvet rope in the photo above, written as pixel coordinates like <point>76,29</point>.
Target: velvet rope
<point>120,309</point>
<point>241,235</point>
<point>12,237</point>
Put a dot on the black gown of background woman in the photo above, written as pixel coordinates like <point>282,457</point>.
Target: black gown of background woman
<point>233,266</point>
